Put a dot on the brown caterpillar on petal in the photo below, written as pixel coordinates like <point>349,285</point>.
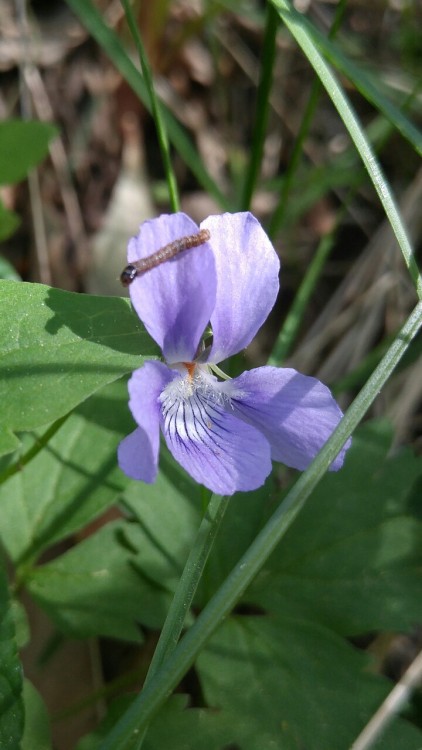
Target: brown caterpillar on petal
<point>138,267</point>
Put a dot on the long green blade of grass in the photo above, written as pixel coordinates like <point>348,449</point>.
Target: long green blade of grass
<point>277,218</point>
<point>367,87</point>
<point>155,108</point>
<point>299,28</point>
<point>93,21</point>
<point>295,315</point>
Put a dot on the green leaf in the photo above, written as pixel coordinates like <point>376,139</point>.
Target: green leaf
<point>291,684</point>
<point>181,728</point>
<point>176,726</point>
<point>129,569</point>
<point>57,348</point>
<point>169,514</point>
<point>96,588</point>
<point>115,709</point>
<point>9,222</point>
<point>71,481</point>
<point>352,559</point>
<point>8,441</point>
<point>37,734</point>
<point>22,146</point>
<point>11,705</point>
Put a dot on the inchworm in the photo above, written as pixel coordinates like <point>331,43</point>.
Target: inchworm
<point>138,267</point>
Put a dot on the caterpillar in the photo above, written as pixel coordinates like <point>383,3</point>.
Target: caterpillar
<point>138,267</point>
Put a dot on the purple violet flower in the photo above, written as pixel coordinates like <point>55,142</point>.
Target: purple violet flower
<point>225,433</point>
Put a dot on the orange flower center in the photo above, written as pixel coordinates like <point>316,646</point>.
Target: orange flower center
<point>190,366</point>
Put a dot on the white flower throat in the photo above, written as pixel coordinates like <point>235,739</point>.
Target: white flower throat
<point>195,380</point>
<point>192,404</point>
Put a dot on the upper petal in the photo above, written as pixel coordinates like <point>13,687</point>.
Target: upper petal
<point>175,299</point>
<point>138,452</point>
<point>216,448</point>
<point>247,270</point>
<point>296,413</point>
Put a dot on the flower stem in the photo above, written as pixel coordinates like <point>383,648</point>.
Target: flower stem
<point>185,590</point>
<point>145,705</point>
<point>219,372</point>
<point>155,107</point>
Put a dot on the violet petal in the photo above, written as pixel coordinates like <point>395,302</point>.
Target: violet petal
<point>175,299</point>
<point>296,413</point>
<point>216,448</point>
<point>138,453</point>
<point>247,269</point>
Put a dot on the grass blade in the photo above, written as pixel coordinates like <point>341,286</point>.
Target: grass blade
<point>92,19</point>
<point>299,28</point>
<point>155,108</point>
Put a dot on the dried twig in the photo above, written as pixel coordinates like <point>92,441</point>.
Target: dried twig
<point>40,235</point>
<point>60,163</point>
<point>393,703</point>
